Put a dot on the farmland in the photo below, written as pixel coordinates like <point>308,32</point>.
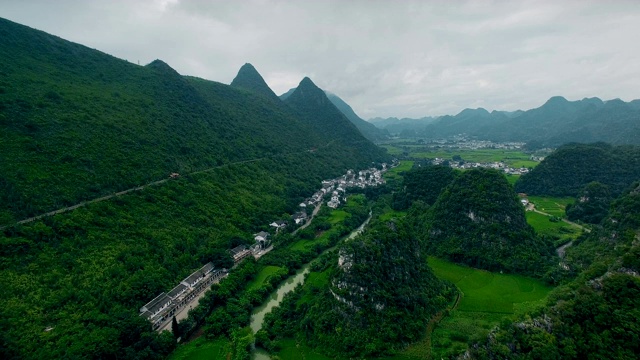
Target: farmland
<point>487,299</point>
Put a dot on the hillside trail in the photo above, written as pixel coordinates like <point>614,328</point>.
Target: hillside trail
<point>153,183</point>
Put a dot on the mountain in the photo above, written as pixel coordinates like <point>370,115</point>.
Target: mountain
<point>99,137</point>
<point>248,78</point>
<point>600,296</point>
<point>397,126</point>
<point>566,171</point>
<point>556,122</point>
<point>381,284</point>
<point>478,220</point>
<point>312,104</point>
<point>367,129</point>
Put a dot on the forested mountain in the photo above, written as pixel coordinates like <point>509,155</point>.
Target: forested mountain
<point>248,78</point>
<point>368,130</point>
<point>479,221</point>
<point>594,316</point>
<point>570,168</point>
<point>380,295</point>
<point>556,122</point>
<point>77,124</point>
<point>312,104</point>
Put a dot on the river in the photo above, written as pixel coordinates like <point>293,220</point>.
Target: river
<point>257,316</point>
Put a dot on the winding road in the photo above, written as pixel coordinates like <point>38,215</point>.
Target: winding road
<point>153,183</point>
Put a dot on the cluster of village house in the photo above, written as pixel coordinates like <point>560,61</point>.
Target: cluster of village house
<point>166,305</point>
<point>492,165</point>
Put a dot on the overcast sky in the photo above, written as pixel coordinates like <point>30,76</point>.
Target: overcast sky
<point>384,58</point>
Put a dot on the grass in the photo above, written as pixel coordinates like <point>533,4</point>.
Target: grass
<point>202,349</point>
<point>338,216</point>
<point>392,214</point>
<point>512,158</point>
<point>551,205</point>
<point>395,173</point>
<point>263,275</point>
<point>488,299</point>
<point>512,179</point>
<point>294,351</point>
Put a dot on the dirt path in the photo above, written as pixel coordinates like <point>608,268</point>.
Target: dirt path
<point>562,249</point>
<point>436,319</point>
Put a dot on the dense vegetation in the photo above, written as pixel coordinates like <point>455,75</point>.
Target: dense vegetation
<point>571,167</point>
<point>594,316</point>
<point>378,296</point>
<point>423,184</point>
<point>592,204</point>
<point>478,220</point>
<point>77,124</point>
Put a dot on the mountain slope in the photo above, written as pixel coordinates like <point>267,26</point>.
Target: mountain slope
<point>367,129</point>
<point>478,220</point>
<point>571,167</point>
<point>312,104</point>
<point>77,124</point>
<point>248,78</point>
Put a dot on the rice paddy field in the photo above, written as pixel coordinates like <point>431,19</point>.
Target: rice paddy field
<point>551,205</point>
<point>487,299</point>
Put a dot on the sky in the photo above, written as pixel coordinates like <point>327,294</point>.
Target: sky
<point>384,58</point>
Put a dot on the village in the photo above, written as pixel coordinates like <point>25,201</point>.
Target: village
<point>163,308</point>
<point>498,165</point>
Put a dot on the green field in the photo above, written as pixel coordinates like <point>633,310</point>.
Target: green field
<point>551,205</point>
<point>488,298</point>
<point>512,158</point>
<point>263,275</point>
<point>394,173</point>
<point>202,349</point>
<point>512,179</point>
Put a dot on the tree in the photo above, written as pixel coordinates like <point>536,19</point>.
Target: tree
<point>175,328</point>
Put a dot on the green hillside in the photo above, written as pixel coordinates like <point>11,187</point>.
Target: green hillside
<point>571,167</point>
<point>478,221</point>
<point>76,125</point>
<point>593,316</point>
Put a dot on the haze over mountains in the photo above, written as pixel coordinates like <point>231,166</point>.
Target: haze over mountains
<point>556,122</point>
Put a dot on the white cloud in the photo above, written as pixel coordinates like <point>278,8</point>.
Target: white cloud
<point>409,58</point>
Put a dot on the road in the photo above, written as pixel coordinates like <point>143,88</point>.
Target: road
<point>313,214</point>
<point>141,187</point>
<point>562,249</point>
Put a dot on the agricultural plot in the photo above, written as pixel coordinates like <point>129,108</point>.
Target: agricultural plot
<point>551,205</point>
<point>395,173</point>
<point>512,158</point>
<point>488,299</point>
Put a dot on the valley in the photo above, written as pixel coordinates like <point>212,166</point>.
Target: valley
<point>146,214</point>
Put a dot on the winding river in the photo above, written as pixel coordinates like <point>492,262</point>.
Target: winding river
<point>257,316</point>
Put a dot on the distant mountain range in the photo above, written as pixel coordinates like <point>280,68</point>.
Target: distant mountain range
<point>556,122</point>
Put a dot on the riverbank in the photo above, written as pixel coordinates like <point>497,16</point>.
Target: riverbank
<point>228,315</point>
